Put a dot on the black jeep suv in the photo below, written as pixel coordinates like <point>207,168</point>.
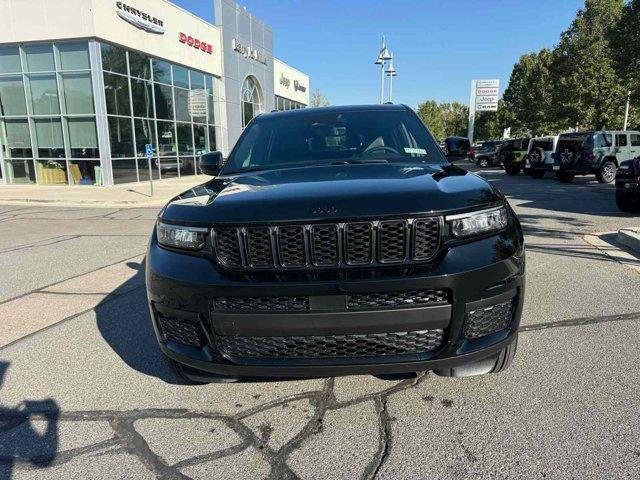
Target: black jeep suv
<point>336,241</point>
<point>628,186</point>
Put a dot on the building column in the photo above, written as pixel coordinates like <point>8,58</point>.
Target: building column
<point>100,105</point>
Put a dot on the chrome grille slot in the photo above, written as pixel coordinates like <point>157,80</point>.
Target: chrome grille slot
<point>292,248</point>
<point>393,241</point>
<point>358,243</point>
<point>259,246</point>
<point>227,243</point>
<point>426,238</point>
<point>324,240</point>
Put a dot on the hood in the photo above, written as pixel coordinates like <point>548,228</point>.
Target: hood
<point>332,192</point>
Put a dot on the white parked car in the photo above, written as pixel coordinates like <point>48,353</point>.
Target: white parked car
<point>539,159</point>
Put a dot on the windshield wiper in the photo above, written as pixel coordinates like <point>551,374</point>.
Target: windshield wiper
<point>244,170</point>
<point>357,162</point>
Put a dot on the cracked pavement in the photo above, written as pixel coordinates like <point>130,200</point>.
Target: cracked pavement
<point>84,392</point>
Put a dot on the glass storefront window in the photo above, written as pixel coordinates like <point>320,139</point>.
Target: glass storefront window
<point>52,172</point>
<point>83,139</point>
<point>211,109</point>
<point>251,100</point>
<point>200,138</point>
<point>85,172</point>
<point>44,94</point>
<point>39,57</point>
<point>161,71</point>
<point>78,94</point>
<point>182,104</point>
<point>15,138</point>
<point>114,59</point>
<point>213,144</point>
<point>168,166</point>
<point>116,91</point>
<point>139,65</point>
<point>12,96</point>
<point>187,165</point>
<point>145,133</point>
<point>142,96</point>
<point>180,77</point>
<point>164,101</point>
<point>20,171</point>
<point>124,171</point>
<point>143,169</point>
<point>48,133</point>
<point>120,137</point>
<point>10,60</point>
<point>185,142</point>
<point>74,56</point>
<point>197,80</point>
<point>166,138</point>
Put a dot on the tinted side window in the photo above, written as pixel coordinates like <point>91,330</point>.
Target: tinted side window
<point>621,140</point>
<point>635,140</point>
<point>604,140</point>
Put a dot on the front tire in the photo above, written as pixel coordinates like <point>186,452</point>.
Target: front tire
<point>565,177</point>
<point>537,173</point>
<point>607,172</point>
<point>627,203</point>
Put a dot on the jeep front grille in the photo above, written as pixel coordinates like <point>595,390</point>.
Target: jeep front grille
<point>328,245</point>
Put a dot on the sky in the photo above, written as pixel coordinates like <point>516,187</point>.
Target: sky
<point>439,46</point>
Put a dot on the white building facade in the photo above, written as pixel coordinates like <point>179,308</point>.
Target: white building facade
<point>86,85</point>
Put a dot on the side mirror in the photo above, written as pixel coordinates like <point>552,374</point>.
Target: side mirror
<point>211,163</point>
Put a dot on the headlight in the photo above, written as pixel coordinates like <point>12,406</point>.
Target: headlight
<point>476,223</point>
<point>178,236</point>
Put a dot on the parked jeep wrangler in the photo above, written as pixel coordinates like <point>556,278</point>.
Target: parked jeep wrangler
<point>628,186</point>
<point>539,158</point>
<point>336,241</point>
<point>583,153</point>
<point>484,155</point>
<point>511,154</point>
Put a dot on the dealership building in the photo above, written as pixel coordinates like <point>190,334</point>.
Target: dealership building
<point>86,85</point>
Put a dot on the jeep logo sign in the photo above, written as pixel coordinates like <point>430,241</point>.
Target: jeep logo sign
<point>140,19</point>
<point>284,81</point>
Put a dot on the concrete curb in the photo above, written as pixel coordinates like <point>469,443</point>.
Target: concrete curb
<point>630,237</point>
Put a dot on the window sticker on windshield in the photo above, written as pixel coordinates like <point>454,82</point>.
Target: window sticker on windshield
<point>417,151</point>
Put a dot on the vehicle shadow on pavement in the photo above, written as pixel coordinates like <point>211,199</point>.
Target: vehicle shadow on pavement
<point>28,432</point>
<point>124,322</point>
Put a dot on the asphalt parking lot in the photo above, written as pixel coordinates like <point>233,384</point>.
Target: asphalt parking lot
<point>85,394</point>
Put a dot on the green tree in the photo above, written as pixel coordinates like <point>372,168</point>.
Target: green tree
<point>625,48</point>
<point>527,98</point>
<point>585,88</point>
<point>431,114</point>
<point>318,99</point>
<point>455,117</point>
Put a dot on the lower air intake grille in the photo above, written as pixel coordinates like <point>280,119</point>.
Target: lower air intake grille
<point>485,321</point>
<point>332,346</point>
<point>181,331</point>
<point>363,301</point>
<point>260,304</point>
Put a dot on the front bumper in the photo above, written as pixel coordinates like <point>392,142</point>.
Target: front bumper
<point>477,276</point>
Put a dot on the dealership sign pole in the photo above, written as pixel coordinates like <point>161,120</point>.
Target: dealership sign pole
<point>484,98</point>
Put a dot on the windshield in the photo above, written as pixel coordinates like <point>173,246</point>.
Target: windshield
<point>583,140</point>
<point>546,144</point>
<point>281,141</point>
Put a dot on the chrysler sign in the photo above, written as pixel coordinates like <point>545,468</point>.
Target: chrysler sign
<point>139,19</point>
